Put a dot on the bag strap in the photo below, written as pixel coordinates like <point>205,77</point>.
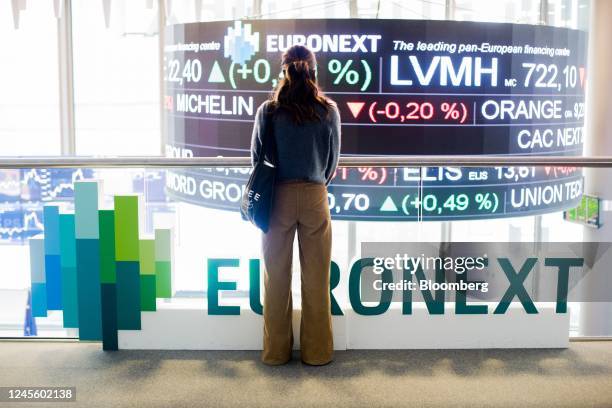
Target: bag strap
<point>268,143</point>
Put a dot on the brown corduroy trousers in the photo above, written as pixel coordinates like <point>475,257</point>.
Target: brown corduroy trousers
<point>302,207</point>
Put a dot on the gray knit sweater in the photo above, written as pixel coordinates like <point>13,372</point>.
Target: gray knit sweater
<point>306,152</point>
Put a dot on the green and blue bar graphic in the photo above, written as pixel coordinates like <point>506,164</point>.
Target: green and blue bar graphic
<point>93,266</point>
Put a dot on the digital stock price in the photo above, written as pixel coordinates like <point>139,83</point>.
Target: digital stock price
<point>402,87</point>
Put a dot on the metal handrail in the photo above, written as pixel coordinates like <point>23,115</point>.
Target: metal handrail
<point>348,161</point>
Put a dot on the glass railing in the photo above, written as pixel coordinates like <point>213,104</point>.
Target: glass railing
<point>92,247</point>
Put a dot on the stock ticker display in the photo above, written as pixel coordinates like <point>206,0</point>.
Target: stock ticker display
<point>402,87</point>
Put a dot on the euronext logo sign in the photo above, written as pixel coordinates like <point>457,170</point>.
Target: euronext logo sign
<point>240,43</point>
<point>95,266</point>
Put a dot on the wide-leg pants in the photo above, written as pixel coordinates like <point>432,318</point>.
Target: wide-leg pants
<point>302,207</point>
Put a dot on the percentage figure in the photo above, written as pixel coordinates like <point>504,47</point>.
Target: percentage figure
<point>378,175</point>
<point>450,110</point>
<point>454,111</point>
<point>487,202</point>
<point>350,75</point>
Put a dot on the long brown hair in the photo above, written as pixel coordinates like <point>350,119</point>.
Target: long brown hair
<point>298,92</point>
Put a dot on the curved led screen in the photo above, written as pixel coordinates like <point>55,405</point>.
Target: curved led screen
<point>402,87</point>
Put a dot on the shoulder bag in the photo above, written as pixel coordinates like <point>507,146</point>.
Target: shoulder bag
<point>259,192</point>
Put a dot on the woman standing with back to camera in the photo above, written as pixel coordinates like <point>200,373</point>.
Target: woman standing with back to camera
<point>306,129</point>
